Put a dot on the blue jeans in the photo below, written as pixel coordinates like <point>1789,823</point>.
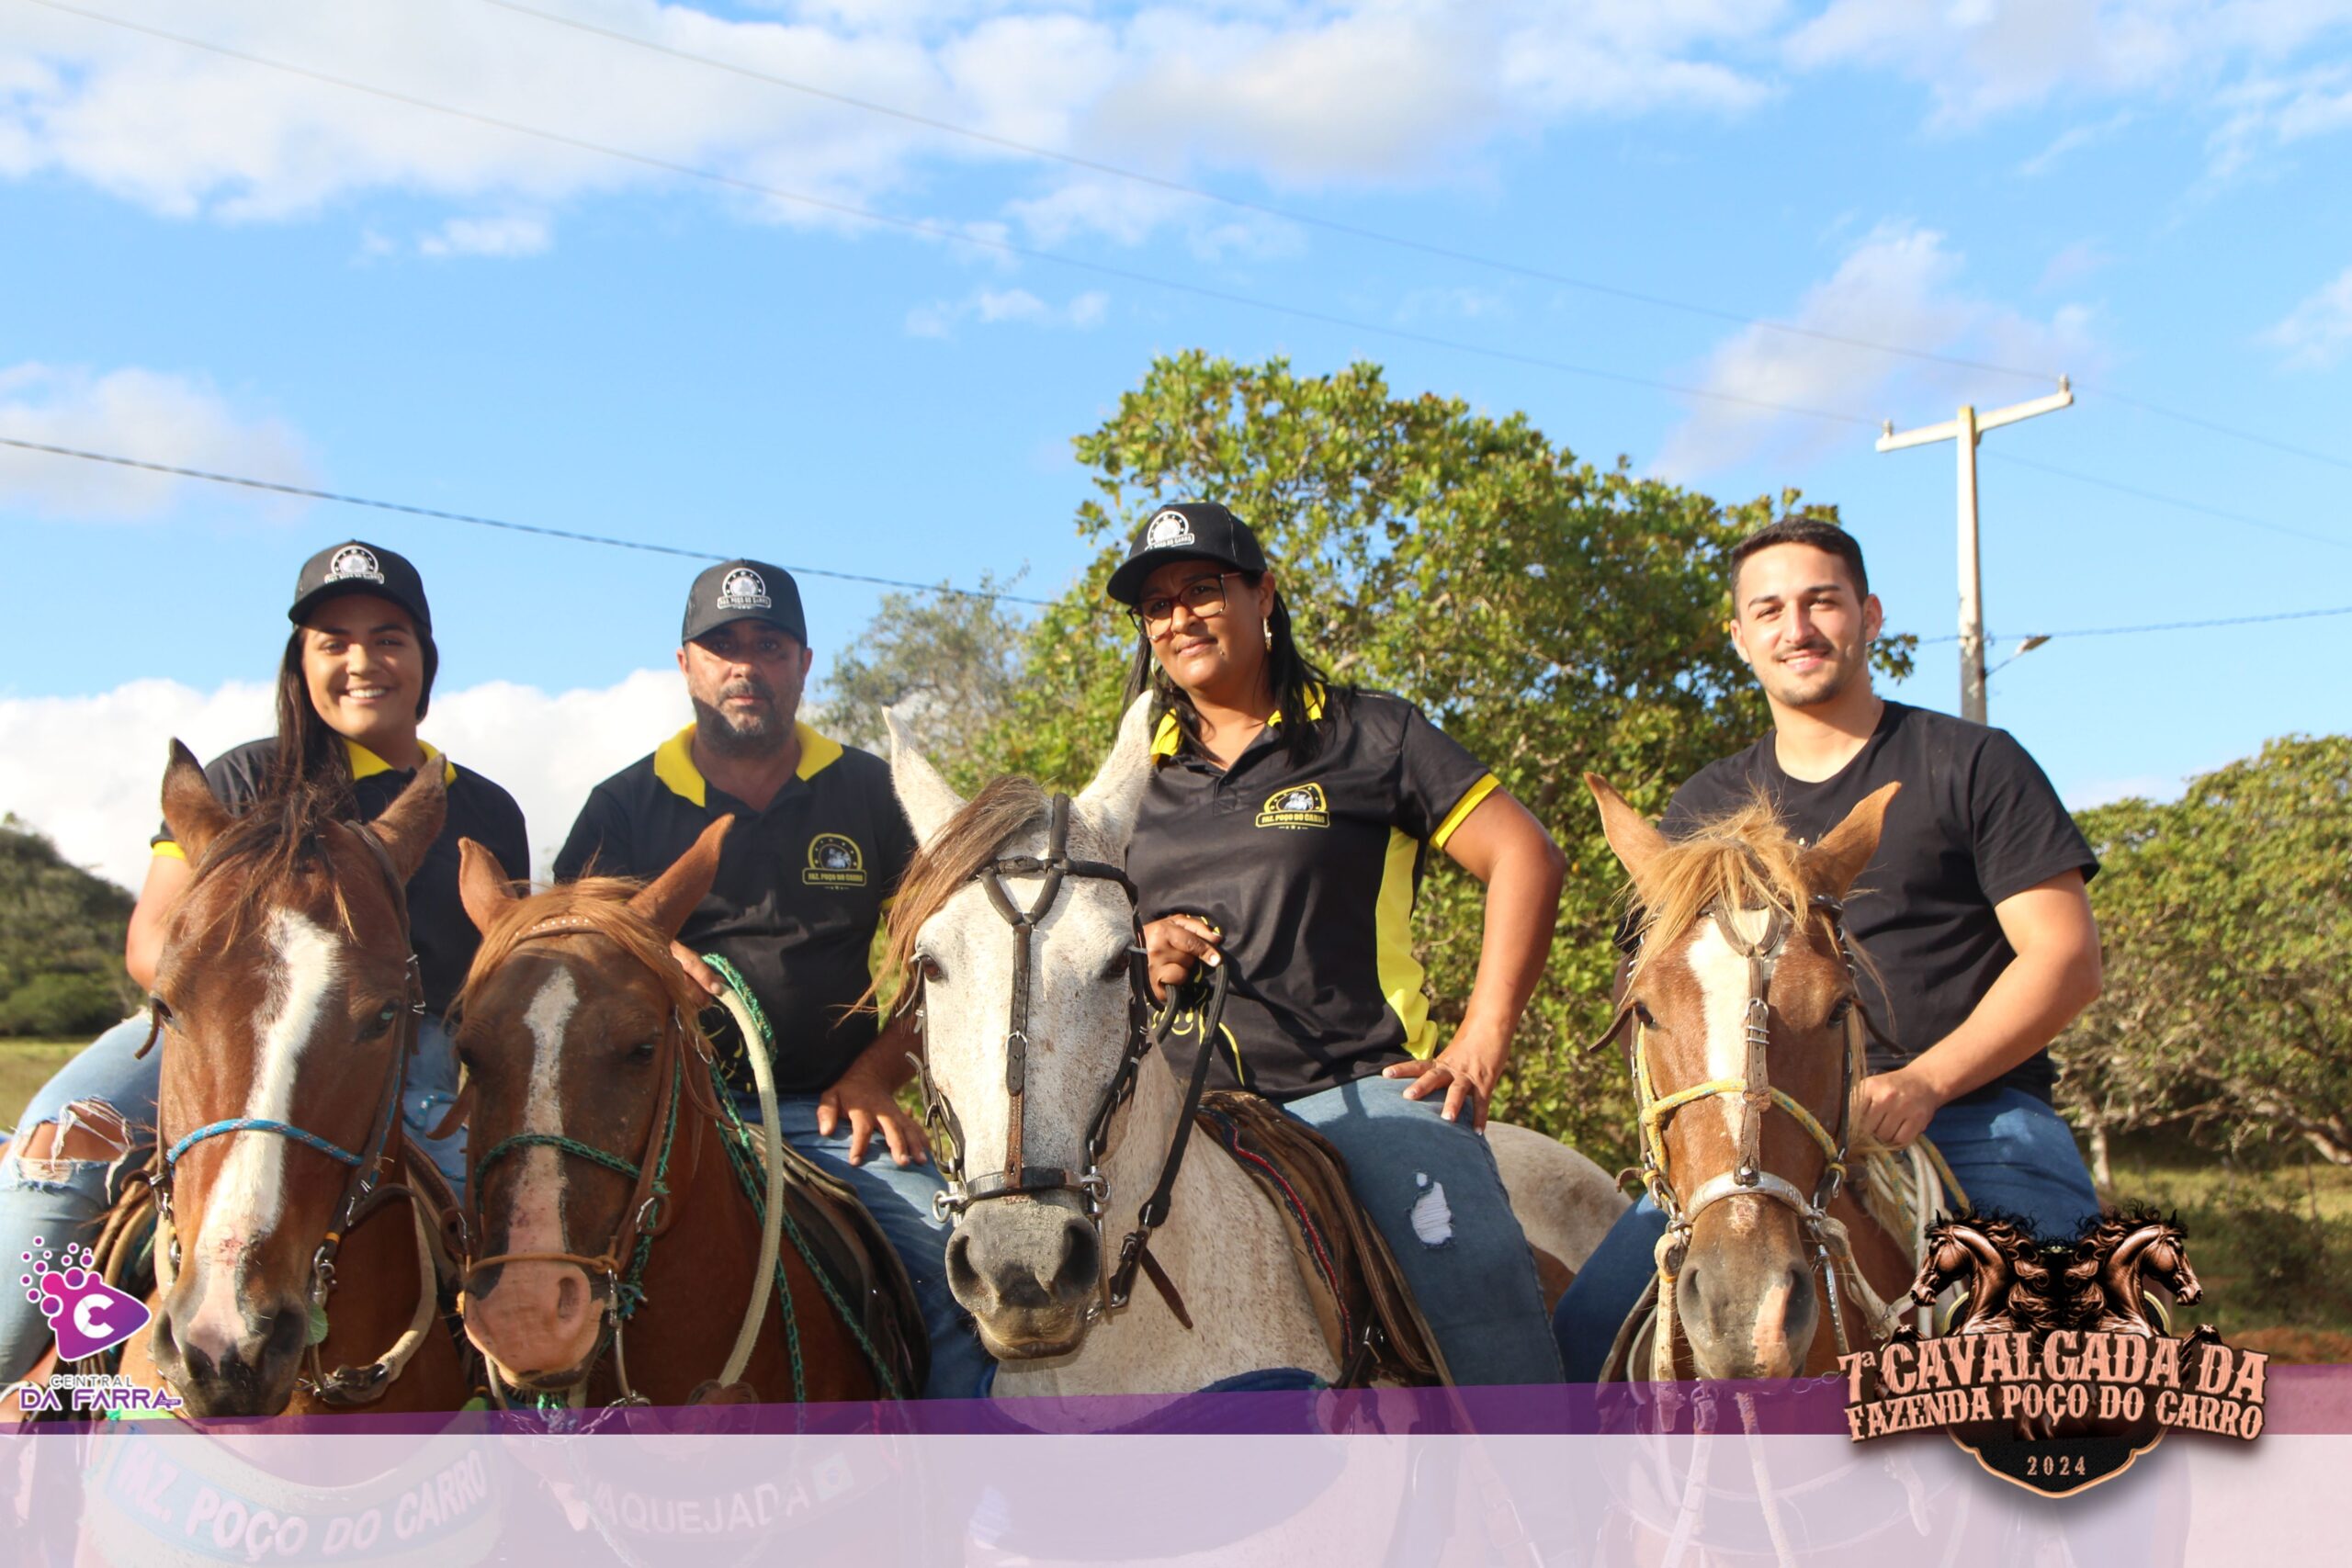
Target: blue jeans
<point>899,1197</point>
<point>1432,1189</point>
<point>2011,1151</point>
<point>61,1203</point>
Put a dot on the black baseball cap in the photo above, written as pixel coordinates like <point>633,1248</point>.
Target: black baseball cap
<point>355,567</point>
<point>1186,530</point>
<point>743,591</point>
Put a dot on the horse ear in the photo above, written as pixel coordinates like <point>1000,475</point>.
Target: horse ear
<point>410,824</point>
<point>1111,802</point>
<point>1832,864</point>
<point>666,901</point>
<point>930,803</point>
<point>1631,835</point>
<point>482,884</point>
<point>191,811</point>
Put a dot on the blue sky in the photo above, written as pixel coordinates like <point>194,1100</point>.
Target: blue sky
<point>208,262</point>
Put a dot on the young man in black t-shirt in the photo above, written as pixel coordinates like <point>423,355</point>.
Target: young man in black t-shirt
<point>1974,909</point>
<point>818,847</point>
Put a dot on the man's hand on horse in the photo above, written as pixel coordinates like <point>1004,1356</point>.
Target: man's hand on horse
<point>1173,945</point>
<point>869,1107</point>
<point>701,974</point>
<point>1467,1069</point>
<point>1896,1107</point>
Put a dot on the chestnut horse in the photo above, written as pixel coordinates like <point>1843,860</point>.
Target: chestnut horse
<point>606,1216</point>
<point>286,1000</point>
<point>1749,1036</point>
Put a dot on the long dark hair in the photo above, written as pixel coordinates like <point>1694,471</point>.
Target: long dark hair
<point>1293,675</point>
<point>310,755</point>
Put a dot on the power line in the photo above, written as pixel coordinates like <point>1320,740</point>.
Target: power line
<point>954,235</point>
<point>1384,237</point>
<point>2174,626</point>
<point>307,494</point>
<point>2161,500</point>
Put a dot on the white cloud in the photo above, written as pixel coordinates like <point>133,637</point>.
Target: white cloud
<point>2269,114</point>
<point>149,415</point>
<point>2317,332</point>
<point>1900,286</point>
<point>1981,58</point>
<point>993,307</point>
<point>2073,262</point>
<point>1355,90</point>
<point>87,770</point>
<point>517,235</point>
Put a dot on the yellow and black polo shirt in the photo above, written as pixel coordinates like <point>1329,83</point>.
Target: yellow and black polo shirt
<point>1310,872</point>
<point>800,889</point>
<point>478,809</point>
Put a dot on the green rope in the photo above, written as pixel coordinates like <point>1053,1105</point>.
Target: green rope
<point>557,1141</point>
<point>740,1156</point>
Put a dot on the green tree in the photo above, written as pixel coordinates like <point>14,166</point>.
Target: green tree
<point>2226,919</point>
<point>949,662</point>
<point>61,940</point>
<point>1552,616</point>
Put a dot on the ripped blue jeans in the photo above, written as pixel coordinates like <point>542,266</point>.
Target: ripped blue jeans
<point>108,1090</point>
<point>1433,1187</point>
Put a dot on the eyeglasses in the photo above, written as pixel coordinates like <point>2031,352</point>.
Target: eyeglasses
<point>1204,596</point>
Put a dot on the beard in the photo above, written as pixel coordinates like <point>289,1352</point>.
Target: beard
<point>759,731</point>
<point>1819,685</point>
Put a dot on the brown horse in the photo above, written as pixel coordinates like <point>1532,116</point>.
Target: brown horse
<point>285,999</point>
<point>1748,1053</point>
<point>601,1193</point>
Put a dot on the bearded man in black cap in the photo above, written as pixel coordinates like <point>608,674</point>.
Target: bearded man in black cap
<point>818,844</point>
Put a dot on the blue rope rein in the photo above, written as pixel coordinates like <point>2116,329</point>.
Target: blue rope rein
<point>259,1124</point>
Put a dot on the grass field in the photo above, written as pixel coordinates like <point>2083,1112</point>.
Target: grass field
<point>24,1066</point>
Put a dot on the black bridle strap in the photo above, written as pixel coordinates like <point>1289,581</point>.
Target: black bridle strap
<point>1135,1249</point>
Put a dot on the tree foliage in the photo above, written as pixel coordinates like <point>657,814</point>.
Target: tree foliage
<point>949,662</point>
<point>61,940</point>
<point>1551,614</point>
<point>2226,919</point>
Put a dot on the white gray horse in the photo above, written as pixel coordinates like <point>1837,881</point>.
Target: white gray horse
<point>1031,1268</point>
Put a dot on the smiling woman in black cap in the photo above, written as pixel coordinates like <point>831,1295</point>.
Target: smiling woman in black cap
<point>1282,836</point>
<point>353,684</point>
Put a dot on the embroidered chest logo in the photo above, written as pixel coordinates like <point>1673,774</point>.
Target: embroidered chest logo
<point>355,562</point>
<point>744,590</point>
<point>1170,527</point>
<point>1297,805</point>
<point>834,861</point>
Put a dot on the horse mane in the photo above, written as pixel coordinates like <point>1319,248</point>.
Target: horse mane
<point>592,905</point>
<point>279,841</point>
<point>1004,806</point>
<point>1740,859</point>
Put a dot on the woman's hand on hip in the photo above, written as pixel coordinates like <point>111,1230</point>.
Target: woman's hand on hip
<point>1173,945</point>
<point>1467,1069</point>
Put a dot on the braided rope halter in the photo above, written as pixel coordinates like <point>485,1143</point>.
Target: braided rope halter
<point>1832,1249</point>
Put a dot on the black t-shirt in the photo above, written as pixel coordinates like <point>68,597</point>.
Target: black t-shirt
<point>1309,871</point>
<point>478,809</point>
<point>801,887</point>
<point>1975,822</point>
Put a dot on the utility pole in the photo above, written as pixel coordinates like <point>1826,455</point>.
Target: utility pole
<point>1963,431</point>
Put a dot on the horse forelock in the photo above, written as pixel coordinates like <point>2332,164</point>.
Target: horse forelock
<point>945,864</point>
<point>591,907</point>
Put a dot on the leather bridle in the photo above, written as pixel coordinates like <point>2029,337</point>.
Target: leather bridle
<point>1091,1186</point>
<point>364,1190</point>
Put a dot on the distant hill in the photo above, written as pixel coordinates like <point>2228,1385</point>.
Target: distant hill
<point>61,940</point>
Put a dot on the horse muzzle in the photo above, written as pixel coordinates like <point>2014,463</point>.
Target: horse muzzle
<point>542,1324</point>
<point>232,1359</point>
<point>1029,1272</point>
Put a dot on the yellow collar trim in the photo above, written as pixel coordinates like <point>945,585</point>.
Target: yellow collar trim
<point>1169,738</point>
<point>674,761</point>
<point>365,762</point>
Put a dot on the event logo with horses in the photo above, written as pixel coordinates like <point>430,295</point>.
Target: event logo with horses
<point>834,862</point>
<point>2056,1365</point>
<point>1297,805</point>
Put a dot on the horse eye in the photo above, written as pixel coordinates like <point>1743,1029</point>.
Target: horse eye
<point>643,1049</point>
<point>1642,1016</point>
<point>381,1021</point>
<point>928,967</point>
<point>1845,1005</point>
<point>162,1009</point>
<point>1120,966</point>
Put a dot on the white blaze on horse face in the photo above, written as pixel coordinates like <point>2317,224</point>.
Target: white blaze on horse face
<point>1723,975</point>
<point>246,1202</point>
<point>534,1218</point>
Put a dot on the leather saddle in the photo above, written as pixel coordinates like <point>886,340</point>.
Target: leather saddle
<point>858,1264</point>
<point>1360,1298</point>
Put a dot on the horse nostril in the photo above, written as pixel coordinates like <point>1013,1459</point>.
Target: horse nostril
<point>570,1293</point>
<point>1081,1260</point>
<point>963,1279</point>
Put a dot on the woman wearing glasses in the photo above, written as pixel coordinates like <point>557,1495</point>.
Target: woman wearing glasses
<point>1284,830</point>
